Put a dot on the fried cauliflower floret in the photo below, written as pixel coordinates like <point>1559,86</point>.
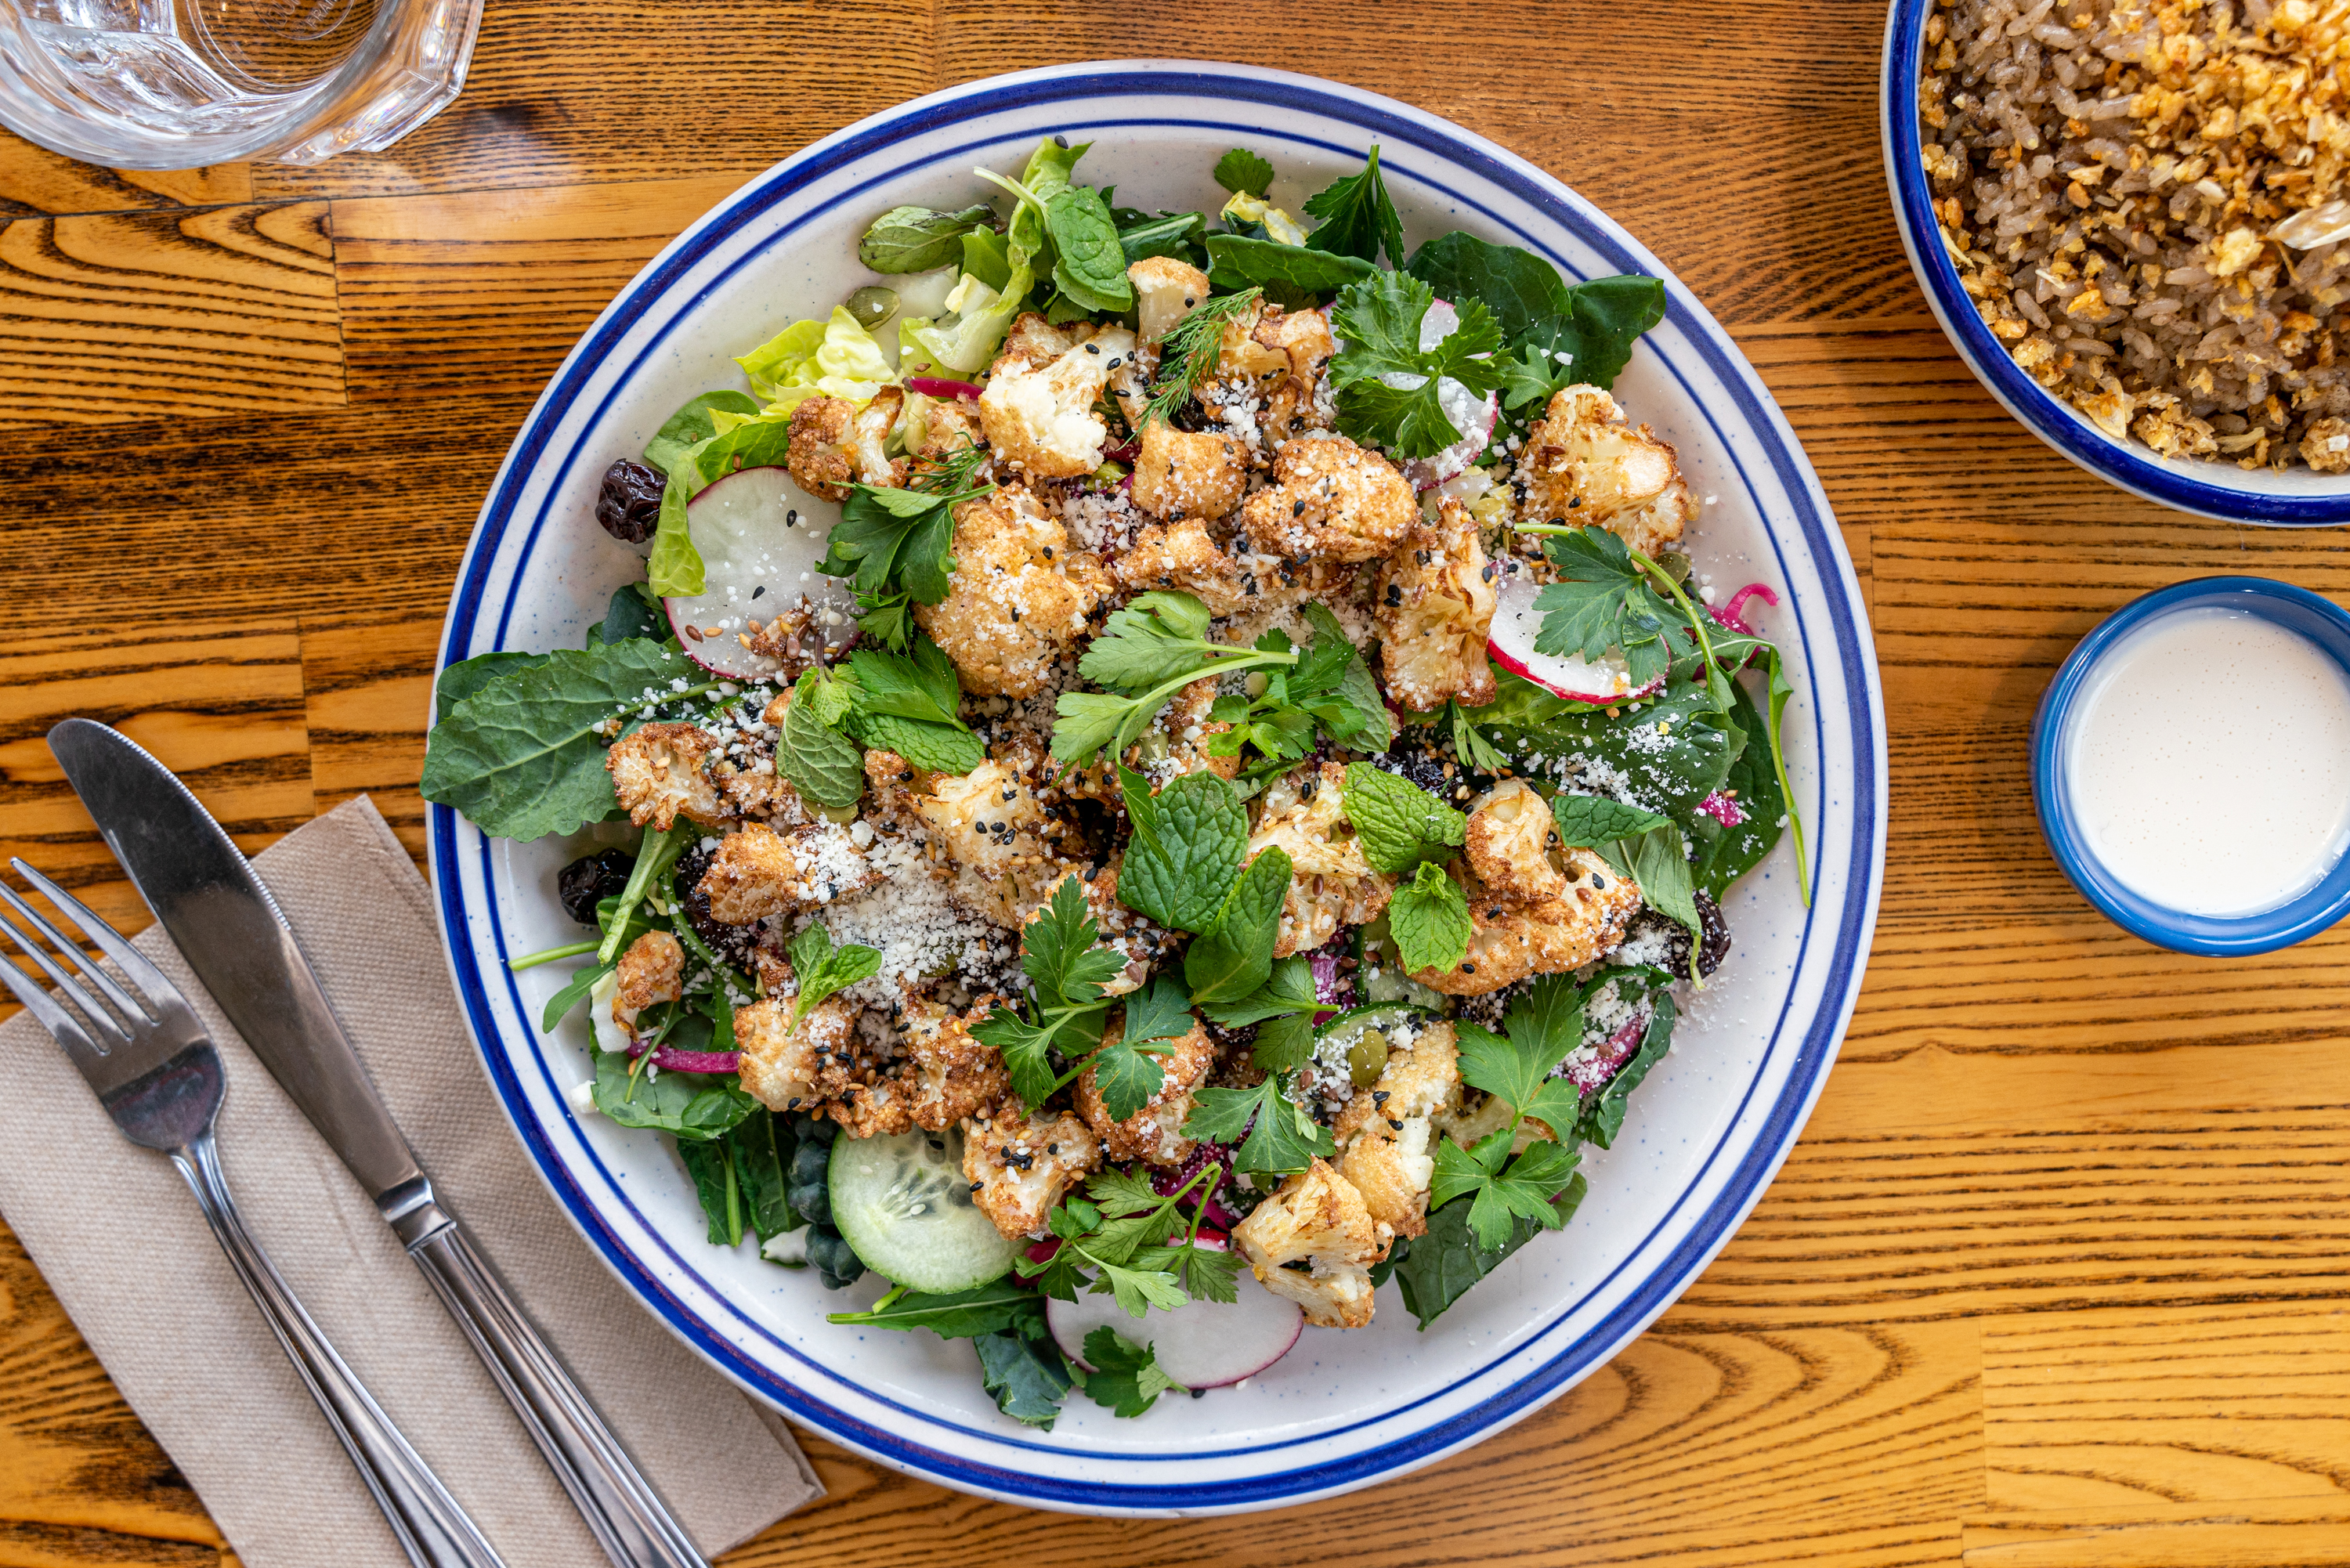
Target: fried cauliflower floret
<point>1154,1133</point>
<point>661,771</point>
<point>1387,1137</point>
<point>1184,555</point>
<point>1034,343</point>
<point>1020,1165</point>
<point>1318,1219</point>
<point>1547,936</point>
<point>992,833</point>
<point>1512,844</point>
<point>1330,499</point>
<point>1304,813</point>
<point>1165,292</point>
<point>1433,606</point>
<point>950,1075</point>
<point>878,1109</point>
<point>759,872</point>
<point>834,444</point>
<point>651,970</point>
<point>1299,400</point>
<point>1182,475</point>
<point>1018,598</point>
<point>1043,421</point>
<point>948,425</point>
<point>1585,463</point>
<point>796,1064</point>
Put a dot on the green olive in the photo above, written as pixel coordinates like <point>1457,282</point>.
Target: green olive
<point>873,305</point>
<point>842,814</point>
<point>1366,1058</point>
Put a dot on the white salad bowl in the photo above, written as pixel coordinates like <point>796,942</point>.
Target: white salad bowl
<point>1706,1132</point>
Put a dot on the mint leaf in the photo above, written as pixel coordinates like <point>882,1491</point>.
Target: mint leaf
<point>822,969</point>
<point>1280,1136</point>
<point>1290,990</point>
<point>1186,851</point>
<point>1235,955</point>
<point>1661,868</point>
<point>1241,171</point>
<point>1586,820</point>
<point>1429,918</point>
<point>1125,1378</point>
<point>825,765</point>
<point>940,748</point>
<point>523,756</point>
<point>1358,217</point>
<point>1398,823</point>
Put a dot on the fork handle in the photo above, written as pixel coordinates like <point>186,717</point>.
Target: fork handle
<point>434,1531</point>
<point>627,1517</point>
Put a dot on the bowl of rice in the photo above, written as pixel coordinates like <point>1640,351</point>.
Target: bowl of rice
<point>2132,217</point>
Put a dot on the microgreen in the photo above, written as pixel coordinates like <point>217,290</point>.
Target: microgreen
<point>822,969</point>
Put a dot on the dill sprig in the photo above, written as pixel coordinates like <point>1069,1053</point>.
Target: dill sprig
<point>1187,356</point>
<point>952,474</point>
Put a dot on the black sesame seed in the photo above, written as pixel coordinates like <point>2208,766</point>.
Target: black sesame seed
<point>758,591</point>
<point>1600,882</point>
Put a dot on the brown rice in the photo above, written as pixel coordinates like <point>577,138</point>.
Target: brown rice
<point>2146,200</point>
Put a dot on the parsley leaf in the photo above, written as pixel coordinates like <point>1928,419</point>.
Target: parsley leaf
<point>1428,917</point>
<point>890,541</point>
<point>1545,1025</point>
<point>1398,823</point>
<point>823,968</point>
<point>1586,820</point>
<point>1126,1069</point>
<point>1148,651</point>
<point>1235,955</point>
<point>1604,601</point>
<point>1065,975</point>
<point>1522,1188</point>
<point>1280,1136</point>
<point>1358,217</point>
<point>1186,851</point>
<point>1242,171</point>
<point>1379,317</point>
<point>1284,1010</point>
<point>1329,687</point>
<point>1435,1270</point>
<point>1590,341</point>
<point>1125,1378</point>
<point>825,765</point>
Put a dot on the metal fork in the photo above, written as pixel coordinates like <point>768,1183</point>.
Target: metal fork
<point>158,1075</point>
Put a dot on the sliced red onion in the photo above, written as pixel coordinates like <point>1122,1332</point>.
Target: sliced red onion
<point>1330,988</point>
<point>1124,452</point>
<point>1723,809</point>
<point>674,1061</point>
<point>938,387</point>
<point>1590,1075</point>
<point>1733,613</point>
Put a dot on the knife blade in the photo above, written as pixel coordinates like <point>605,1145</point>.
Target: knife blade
<point>222,919</point>
<point>221,915</point>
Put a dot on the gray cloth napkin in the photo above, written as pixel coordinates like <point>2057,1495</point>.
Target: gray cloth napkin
<point>117,1236</point>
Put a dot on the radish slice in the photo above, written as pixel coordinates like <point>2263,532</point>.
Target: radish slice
<point>1200,1344</point>
<point>760,536</point>
<point>1510,644</point>
<point>1472,416</point>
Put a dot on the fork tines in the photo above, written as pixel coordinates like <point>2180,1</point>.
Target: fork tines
<point>99,1029</point>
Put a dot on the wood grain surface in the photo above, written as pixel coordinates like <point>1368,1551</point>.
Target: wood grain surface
<point>2054,1278</point>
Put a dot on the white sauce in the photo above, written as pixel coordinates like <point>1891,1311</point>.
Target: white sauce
<point>2207,762</point>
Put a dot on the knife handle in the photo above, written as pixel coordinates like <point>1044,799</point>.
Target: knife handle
<point>434,1530</point>
<point>627,1518</point>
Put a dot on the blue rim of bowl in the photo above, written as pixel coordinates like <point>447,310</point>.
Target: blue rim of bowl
<point>2297,919</point>
<point>1848,657</point>
<point>2132,468</point>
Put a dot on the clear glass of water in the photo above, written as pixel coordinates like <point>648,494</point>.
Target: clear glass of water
<point>179,84</point>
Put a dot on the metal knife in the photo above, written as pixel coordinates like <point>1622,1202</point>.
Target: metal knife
<point>230,931</point>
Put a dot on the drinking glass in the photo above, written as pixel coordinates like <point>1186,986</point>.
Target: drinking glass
<point>178,83</point>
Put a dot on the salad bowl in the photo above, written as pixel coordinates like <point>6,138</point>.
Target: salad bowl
<point>1341,1411</point>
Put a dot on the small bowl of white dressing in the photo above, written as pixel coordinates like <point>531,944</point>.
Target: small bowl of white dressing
<point>2192,765</point>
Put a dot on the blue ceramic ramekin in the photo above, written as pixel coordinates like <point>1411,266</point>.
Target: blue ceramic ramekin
<point>2297,609</point>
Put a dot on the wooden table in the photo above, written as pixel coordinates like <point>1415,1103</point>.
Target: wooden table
<point>2054,1277</point>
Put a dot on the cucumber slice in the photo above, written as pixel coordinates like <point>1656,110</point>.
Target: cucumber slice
<point>904,1206</point>
<point>1387,982</point>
